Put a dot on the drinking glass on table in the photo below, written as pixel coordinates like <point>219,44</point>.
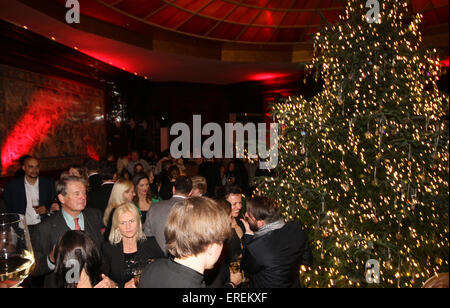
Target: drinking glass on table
<point>16,253</point>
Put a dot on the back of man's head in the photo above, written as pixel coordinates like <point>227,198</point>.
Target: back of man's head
<point>199,182</point>
<point>193,224</point>
<point>263,208</point>
<point>92,165</point>
<point>173,172</point>
<point>182,185</point>
<point>107,171</point>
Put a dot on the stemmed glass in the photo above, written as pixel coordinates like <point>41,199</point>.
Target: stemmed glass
<point>235,266</point>
<point>137,271</point>
<point>16,253</point>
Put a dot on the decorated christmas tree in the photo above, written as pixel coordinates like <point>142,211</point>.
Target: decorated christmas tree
<point>364,165</point>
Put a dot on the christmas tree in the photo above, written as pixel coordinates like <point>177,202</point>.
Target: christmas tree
<point>364,165</point>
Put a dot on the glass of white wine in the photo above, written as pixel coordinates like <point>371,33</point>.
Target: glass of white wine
<point>16,253</point>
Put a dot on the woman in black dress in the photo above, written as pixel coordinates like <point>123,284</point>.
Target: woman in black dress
<point>128,250</point>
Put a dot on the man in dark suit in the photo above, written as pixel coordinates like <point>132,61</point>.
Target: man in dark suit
<point>30,195</point>
<point>73,216</point>
<point>159,212</point>
<point>273,249</point>
<point>94,178</point>
<point>98,199</point>
<point>210,170</point>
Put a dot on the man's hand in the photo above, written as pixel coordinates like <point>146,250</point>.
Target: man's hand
<point>247,227</point>
<point>41,210</point>
<point>54,207</point>
<point>105,283</point>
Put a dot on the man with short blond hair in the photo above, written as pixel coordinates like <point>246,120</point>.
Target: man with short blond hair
<point>195,231</point>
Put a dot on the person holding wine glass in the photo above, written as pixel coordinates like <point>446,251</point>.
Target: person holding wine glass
<point>128,249</point>
<point>30,195</point>
<point>16,253</point>
<point>226,272</point>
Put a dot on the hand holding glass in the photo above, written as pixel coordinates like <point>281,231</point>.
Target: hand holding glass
<point>16,253</point>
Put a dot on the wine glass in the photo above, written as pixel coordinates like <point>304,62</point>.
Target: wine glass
<point>138,269</point>
<point>16,253</point>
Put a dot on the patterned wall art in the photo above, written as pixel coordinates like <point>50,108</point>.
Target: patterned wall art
<point>58,120</point>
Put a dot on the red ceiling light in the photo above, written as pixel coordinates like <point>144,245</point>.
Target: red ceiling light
<point>265,76</point>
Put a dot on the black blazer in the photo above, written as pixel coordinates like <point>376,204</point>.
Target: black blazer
<point>16,198</point>
<point>273,260</point>
<point>166,273</point>
<point>95,182</point>
<point>98,199</point>
<point>49,231</point>
<point>114,260</point>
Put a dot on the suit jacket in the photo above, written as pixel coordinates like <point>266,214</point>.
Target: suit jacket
<point>114,260</point>
<point>49,231</point>
<point>166,273</point>
<point>156,220</point>
<point>98,199</point>
<point>95,182</point>
<point>16,198</point>
<point>273,260</point>
<point>211,172</point>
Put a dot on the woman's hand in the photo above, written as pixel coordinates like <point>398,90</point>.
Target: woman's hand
<point>130,284</point>
<point>105,283</point>
<point>236,278</point>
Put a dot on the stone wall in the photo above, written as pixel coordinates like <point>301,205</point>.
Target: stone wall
<point>58,120</point>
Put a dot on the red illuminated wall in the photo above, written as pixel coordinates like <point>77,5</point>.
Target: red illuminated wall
<point>59,121</point>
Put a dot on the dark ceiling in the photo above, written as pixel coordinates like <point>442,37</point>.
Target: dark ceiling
<point>203,41</point>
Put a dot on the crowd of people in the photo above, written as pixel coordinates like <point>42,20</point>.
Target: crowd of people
<point>144,221</point>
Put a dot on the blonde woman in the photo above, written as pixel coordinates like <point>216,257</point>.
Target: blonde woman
<point>122,191</point>
<point>128,250</point>
<point>122,164</point>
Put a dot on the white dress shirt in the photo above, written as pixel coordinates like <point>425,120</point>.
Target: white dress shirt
<point>32,193</point>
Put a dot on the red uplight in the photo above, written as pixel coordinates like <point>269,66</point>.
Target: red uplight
<point>43,114</point>
<point>444,63</point>
<point>92,152</point>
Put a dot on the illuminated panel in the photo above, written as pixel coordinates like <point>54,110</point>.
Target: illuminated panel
<point>44,113</point>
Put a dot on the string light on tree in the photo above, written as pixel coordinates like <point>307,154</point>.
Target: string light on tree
<point>364,164</point>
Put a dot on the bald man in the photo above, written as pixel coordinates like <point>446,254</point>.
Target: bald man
<point>30,195</point>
